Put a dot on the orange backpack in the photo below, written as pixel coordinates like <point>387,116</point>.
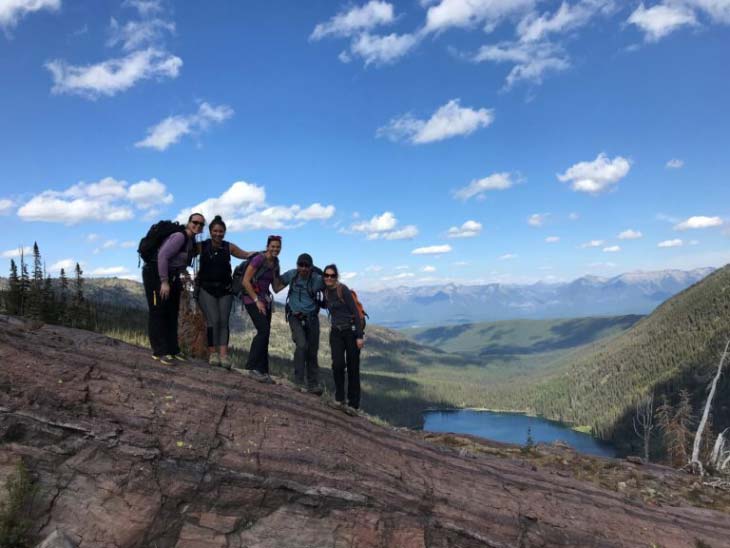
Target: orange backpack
<point>360,309</point>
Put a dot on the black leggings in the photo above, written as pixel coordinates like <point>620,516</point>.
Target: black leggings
<point>345,358</point>
<point>258,355</point>
<point>162,327</point>
<point>217,311</point>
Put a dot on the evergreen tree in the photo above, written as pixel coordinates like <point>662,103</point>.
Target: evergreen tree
<point>49,312</point>
<point>77,303</point>
<point>24,286</point>
<point>13,297</point>
<point>35,295</point>
<point>63,306</point>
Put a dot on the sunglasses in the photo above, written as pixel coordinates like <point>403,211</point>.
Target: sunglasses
<point>304,265</point>
<point>325,275</point>
<point>198,223</point>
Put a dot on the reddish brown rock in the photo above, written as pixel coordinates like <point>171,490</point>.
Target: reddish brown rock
<point>130,453</point>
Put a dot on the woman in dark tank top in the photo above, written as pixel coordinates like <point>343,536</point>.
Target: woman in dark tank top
<point>214,282</point>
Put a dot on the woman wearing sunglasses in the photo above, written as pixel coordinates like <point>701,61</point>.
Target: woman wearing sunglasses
<point>346,337</point>
<point>215,297</point>
<point>261,274</point>
<point>163,286</point>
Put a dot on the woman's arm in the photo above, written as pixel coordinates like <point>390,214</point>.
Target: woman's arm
<point>248,279</point>
<point>239,253</point>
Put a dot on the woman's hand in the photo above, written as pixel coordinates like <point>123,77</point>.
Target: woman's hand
<point>164,290</point>
<point>360,343</point>
<point>261,305</point>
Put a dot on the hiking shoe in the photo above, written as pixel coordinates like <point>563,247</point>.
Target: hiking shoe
<point>315,389</point>
<point>214,359</point>
<point>260,377</point>
<point>164,360</point>
<point>225,362</point>
<point>180,357</point>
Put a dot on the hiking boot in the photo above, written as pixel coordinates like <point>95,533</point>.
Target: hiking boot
<point>315,389</point>
<point>164,360</point>
<point>214,359</point>
<point>179,357</point>
<point>226,362</point>
<point>260,377</point>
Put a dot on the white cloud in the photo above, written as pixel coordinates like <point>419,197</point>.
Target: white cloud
<point>381,50</point>
<point>114,75</point>
<point>574,216</point>
<point>346,276</point>
<point>675,163</point>
<point>469,229</point>
<point>612,249</point>
<point>592,243</point>
<point>402,267</point>
<point>694,242</point>
<point>450,120</point>
<point>110,271</point>
<point>532,61</point>
<point>507,257</point>
<point>671,243</point>
<point>136,34</point>
<point>106,200</point>
<point>552,239</point>
<point>145,7</point>
<point>17,252</point>
<point>385,227</point>
<point>92,237</point>
<point>109,244</point>
<point>66,264</point>
<point>356,19</point>
<point>170,130</point>
<point>401,276</point>
<point>6,206</point>
<point>428,268</point>
<point>432,250</point>
<point>699,221</point>
<point>596,176</point>
<point>533,28</point>
<point>537,219</point>
<point>128,244</point>
<point>243,207</point>
<point>630,234</point>
<point>662,19</point>
<point>12,11</point>
<point>469,13</point>
<point>374,268</point>
<point>479,187</point>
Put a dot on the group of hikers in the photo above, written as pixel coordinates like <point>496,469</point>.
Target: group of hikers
<point>168,249</point>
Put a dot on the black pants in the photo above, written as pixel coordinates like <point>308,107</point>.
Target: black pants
<point>305,334</point>
<point>345,358</point>
<point>162,327</point>
<point>258,355</point>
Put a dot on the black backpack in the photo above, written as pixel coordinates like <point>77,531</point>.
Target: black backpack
<point>240,271</point>
<point>156,235</point>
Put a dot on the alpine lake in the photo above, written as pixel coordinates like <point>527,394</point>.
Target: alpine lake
<point>513,428</point>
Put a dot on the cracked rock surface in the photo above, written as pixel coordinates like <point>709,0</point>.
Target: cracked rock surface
<point>131,453</point>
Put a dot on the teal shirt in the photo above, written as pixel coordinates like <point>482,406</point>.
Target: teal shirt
<point>301,291</point>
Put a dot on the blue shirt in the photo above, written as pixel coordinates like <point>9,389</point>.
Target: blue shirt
<point>301,291</point>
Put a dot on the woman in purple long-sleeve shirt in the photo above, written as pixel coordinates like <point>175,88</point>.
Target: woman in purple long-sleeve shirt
<point>162,286</point>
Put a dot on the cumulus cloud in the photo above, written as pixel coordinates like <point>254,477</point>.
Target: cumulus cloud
<point>356,19</point>
<point>552,239</point>
<point>432,250</point>
<point>450,120</point>
<point>469,13</point>
<point>469,229</point>
<point>612,249</point>
<point>675,163</point>
<point>170,130</point>
<point>596,176</point>
<point>380,50</point>
<point>630,235</point>
<point>699,221</point>
<point>534,27</point>
<point>110,271</point>
<point>133,35</point>
<point>531,60</point>
<point>385,227</point>
<point>6,206</point>
<point>17,252</point>
<point>662,19</point>
<point>12,11</point>
<point>537,219</point>
<point>671,243</point>
<point>114,75</point>
<point>67,265</point>
<point>479,187</point>
<point>243,207</point>
<point>592,243</point>
<point>106,200</point>
<point>428,268</point>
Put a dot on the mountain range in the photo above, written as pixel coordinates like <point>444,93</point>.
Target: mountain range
<point>630,293</point>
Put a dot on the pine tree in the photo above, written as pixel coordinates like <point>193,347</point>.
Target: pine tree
<point>35,295</point>
<point>24,286</point>
<point>49,312</point>
<point>13,297</point>
<point>63,305</point>
<point>78,310</point>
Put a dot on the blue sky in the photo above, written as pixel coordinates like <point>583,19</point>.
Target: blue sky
<point>412,142</point>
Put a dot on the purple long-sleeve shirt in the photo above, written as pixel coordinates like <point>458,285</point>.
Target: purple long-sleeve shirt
<point>173,255</point>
